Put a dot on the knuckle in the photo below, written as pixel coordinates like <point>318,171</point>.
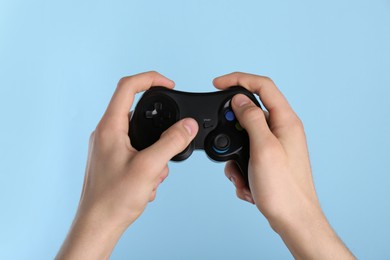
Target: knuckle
<point>152,196</point>
<point>295,123</point>
<point>251,114</point>
<point>123,81</point>
<point>153,72</point>
<point>104,135</point>
<point>267,80</point>
<point>271,152</point>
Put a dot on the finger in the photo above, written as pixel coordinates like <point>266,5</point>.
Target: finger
<point>269,94</point>
<point>173,141</point>
<point>281,114</point>
<point>245,194</point>
<point>152,195</point>
<point>116,115</point>
<point>253,120</point>
<point>162,176</point>
<point>233,173</point>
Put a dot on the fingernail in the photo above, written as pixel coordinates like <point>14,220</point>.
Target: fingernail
<point>247,192</point>
<point>190,125</point>
<point>249,199</point>
<point>233,180</point>
<point>240,100</point>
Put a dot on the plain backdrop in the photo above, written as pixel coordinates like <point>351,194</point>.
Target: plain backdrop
<point>60,62</point>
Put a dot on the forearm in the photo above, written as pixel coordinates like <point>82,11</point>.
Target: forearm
<point>90,237</point>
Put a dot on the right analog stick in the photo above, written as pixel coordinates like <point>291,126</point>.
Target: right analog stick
<point>221,143</point>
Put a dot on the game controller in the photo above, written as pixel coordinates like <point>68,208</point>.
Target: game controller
<point>220,135</point>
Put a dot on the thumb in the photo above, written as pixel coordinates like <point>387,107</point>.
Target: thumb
<point>173,141</point>
<point>252,119</point>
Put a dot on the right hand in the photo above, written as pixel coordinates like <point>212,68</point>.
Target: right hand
<point>280,177</point>
<point>119,180</point>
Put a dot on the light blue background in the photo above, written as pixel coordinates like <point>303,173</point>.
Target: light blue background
<point>59,65</point>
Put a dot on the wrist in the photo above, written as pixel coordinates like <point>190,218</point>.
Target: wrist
<point>91,236</point>
<point>308,235</point>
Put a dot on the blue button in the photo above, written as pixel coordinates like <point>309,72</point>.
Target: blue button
<point>229,115</point>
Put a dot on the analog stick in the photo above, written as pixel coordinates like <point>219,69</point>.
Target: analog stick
<point>221,143</point>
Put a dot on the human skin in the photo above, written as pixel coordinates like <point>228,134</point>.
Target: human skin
<point>120,181</point>
<point>280,177</point>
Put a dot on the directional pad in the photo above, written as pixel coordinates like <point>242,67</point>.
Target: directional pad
<point>155,111</point>
<point>157,114</point>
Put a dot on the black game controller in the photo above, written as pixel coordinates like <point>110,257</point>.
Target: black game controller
<point>220,134</point>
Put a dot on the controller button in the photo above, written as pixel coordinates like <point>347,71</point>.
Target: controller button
<point>221,143</point>
<point>229,115</point>
<point>238,126</point>
<point>227,104</point>
<point>158,106</point>
<point>152,113</point>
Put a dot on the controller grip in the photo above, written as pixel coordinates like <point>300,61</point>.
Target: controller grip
<point>242,163</point>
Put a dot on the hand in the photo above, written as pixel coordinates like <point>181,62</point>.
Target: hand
<point>280,178</point>
<point>120,181</point>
